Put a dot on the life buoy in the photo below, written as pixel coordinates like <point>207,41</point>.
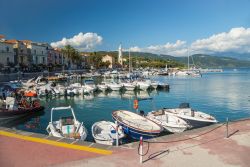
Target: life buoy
<point>136,105</point>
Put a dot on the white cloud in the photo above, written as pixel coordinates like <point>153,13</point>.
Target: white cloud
<point>177,49</point>
<point>83,42</point>
<point>236,40</point>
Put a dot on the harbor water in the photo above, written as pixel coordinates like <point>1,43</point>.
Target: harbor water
<point>225,94</point>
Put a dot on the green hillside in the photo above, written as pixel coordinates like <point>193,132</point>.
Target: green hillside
<point>140,59</point>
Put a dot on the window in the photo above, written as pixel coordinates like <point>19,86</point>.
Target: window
<point>8,60</point>
<point>34,51</point>
<point>42,52</point>
<point>43,60</point>
<point>7,49</point>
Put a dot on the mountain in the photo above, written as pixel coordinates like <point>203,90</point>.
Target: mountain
<point>240,56</point>
<point>202,60</point>
<point>207,61</point>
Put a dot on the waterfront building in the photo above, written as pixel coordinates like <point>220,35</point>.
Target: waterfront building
<point>38,51</point>
<point>110,59</point>
<point>55,56</point>
<point>21,52</point>
<point>7,54</point>
<point>120,60</point>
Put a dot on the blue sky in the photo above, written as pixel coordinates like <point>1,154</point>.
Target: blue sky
<point>135,23</point>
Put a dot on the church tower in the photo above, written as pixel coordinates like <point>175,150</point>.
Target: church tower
<point>120,55</point>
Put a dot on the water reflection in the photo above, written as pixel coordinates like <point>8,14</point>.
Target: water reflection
<point>222,95</point>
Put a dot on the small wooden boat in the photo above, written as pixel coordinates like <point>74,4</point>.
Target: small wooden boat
<point>104,132</point>
<point>135,125</point>
<point>67,127</point>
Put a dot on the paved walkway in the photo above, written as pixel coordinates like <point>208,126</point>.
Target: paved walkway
<point>207,150</point>
<point>17,150</point>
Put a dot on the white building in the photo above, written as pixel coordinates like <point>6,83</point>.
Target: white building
<point>109,59</point>
<point>38,51</point>
<point>120,60</point>
<point>6,53</point>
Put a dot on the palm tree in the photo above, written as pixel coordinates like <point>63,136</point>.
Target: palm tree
<point>71,53</point>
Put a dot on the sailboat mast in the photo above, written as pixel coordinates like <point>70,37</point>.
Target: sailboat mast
<point>188,58</point>
<point>129,61</point>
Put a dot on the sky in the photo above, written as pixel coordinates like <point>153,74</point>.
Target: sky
<point>157,26</point>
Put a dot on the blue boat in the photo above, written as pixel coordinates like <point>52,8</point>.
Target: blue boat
<point>135,125</point>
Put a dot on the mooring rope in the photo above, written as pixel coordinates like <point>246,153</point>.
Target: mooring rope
<point>174,141</point>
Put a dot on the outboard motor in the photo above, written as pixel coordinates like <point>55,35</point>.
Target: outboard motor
<point>142,113</point>
<point>184,105</point>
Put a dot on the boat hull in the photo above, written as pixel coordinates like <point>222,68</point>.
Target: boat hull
<point>6,115</point>
<point>197,123</point>
<point>136,134</point>
<point>174,129</point>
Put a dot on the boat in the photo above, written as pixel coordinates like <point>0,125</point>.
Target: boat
<point>89,86</point>
<point>142,85</point>
<point>66,127</point>
<point>130,86</point>
<point>170,123</point>
<point>12,109</point>
<point>78,88</point>
<point>154,84</point>
<point>162,85</point>
<point>71,91</point>
<point>136,126</point>
<point>114,86</point>
<point>102,86</point>
<point>181,73</point>
<point>194,118</point>
<point>104,132</point>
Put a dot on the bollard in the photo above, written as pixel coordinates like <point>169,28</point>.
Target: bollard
<point>227,128</point>
<point>117,135</point>
<point>141,144</point>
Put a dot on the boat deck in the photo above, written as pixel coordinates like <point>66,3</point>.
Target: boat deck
<point>205,147</point>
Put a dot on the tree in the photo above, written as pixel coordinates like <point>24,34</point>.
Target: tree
<point>96,59</point>
<point>72,54</point>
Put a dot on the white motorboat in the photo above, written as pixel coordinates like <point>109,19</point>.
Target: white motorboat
<point>102,86</point>
<point>89,86</point>
<point>104,132</point>
<point>70,91</point>
<point>195,118</point>
<point>41,80</point>
<point>181,73</point>
<point>79,88</point>
<point>114,86</point>
<point>142,85</point>
<point>129,86</point>
<point>169,122</point>
<point>61,89</point>
<point>154,84</point>
<point>66,127</point>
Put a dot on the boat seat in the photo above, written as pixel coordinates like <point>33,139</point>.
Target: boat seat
<point>68,129</point>
<point>67,120</point>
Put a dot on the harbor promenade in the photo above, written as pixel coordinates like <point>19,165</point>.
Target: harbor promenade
<point>206,147</point>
